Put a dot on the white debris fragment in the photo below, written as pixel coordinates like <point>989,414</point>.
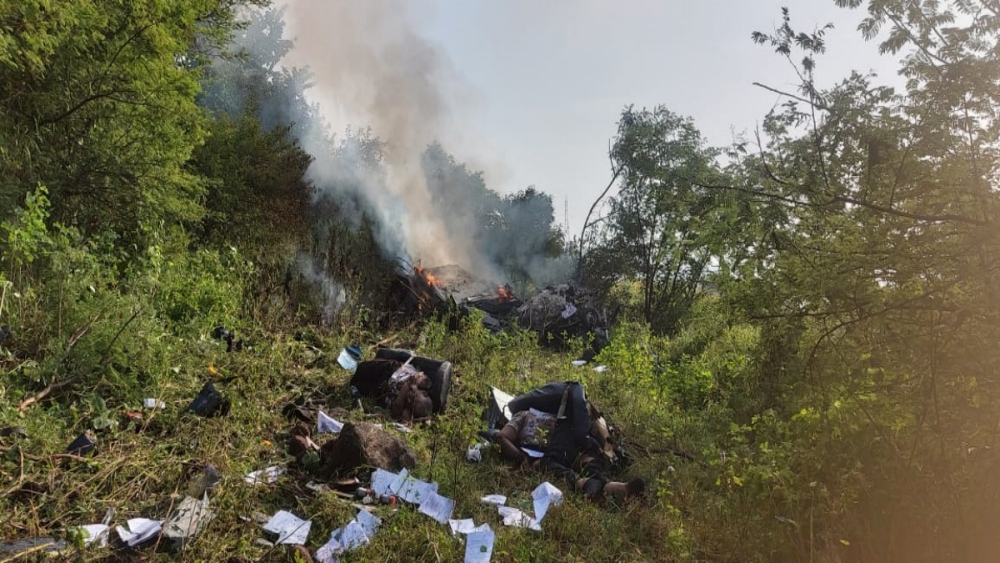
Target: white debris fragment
<point>96,533</point>
<point>437,507</point>
<point>498,500</point>
<point>479,546</point>
<point>153,404</point>
<point>579,363</point>
<point>188,519</point>
<point>325,424</point>
<point>139,530</point>
<point>601,369</point>
<point>514,517</point>
<point>545,495</point>
<point>462,526</point>
<point>264,476</point>
<point>289,528</point>
<point>414,491</point>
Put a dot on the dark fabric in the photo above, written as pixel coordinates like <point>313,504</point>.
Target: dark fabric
<point>372,377</point>
<point>563,453</point>
<point>547,398</point>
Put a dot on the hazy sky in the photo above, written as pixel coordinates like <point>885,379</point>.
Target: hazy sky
<point>541,84</point>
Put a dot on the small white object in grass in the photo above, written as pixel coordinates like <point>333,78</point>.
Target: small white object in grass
<point>96,533</point>
<point>479,546</point>
<point>289,528</point>
<point>353,536</point>
<point>369,522</point>
<point>326,424</point>
<point>438,507</point>
<point>475,453</point>
<point>498,500</point>
<point>579,363</point>
<point>462,526</point>
<point>347,361</point>
<point>153,404</point>
<point>514,517</point>
<point>545,495</point>
<point>264,476</point>
<point>139,530</point>
<point>601,369</point>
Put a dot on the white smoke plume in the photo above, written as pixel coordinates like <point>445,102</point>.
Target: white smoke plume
<point>371,68</point>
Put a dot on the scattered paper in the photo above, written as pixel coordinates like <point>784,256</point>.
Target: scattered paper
<point>545,495</point>
<point>153,404</point>
<point>353,536</point>
<point>326,424</point>
<point>264,476</point>
<point>96,533</point>
<point>579,363</point>
<point>414,491</point>
<point>514,517</point>
<point>479,546</point>
<point>438,507</point>
<point>462,526</point>
<point>289,528</point>
<point>188,519</point>
<point>474,453</point>
<point>498,500</point>
<point>601,369</point>
<point>329,551</point>
<point>382,481</point>
<point>139,530</point>
<point>533,453</point>
<point>369,522</point>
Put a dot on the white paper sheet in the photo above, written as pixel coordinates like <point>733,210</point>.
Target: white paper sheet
<point>545,495</point>
<point>347,361</point>
<point>325,424</point>
<point>96,533</point>
<point>139,530</point>
<point>330,551</point>
<point>579,363</point>
<point>534,454</point>
<point>401,427</point>
<point>514,517</point>
<point>290,529</point>
<point>414,491</point>
<point>498,500</point>
<point>479,546</point>
<point>353,536</point>
<point>153,404</point>
<point>264,476</point>
<point>462,526</point>
<point>369,522</point>
<point>438,507</point>
<point>382,481</point>
<point>601,369</point>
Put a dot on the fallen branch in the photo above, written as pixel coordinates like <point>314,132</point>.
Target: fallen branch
<point>52,386</point>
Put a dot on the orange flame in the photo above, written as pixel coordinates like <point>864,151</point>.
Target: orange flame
<point>503,293</point>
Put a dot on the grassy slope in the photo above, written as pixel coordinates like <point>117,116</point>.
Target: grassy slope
<point>141,473</point>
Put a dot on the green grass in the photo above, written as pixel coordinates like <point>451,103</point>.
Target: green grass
<point>139,470</point>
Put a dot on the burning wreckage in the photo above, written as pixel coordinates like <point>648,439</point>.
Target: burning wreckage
<point>557,313</point>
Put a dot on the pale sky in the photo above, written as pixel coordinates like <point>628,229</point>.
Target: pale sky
<point>543,82</point>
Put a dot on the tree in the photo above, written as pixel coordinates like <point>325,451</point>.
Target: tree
<point>663,224</point>
<point>98,105</point>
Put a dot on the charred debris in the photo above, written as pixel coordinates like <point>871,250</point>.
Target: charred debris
<point>557,313</point>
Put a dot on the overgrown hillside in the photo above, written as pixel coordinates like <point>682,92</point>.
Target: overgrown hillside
<point>802,355</point>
